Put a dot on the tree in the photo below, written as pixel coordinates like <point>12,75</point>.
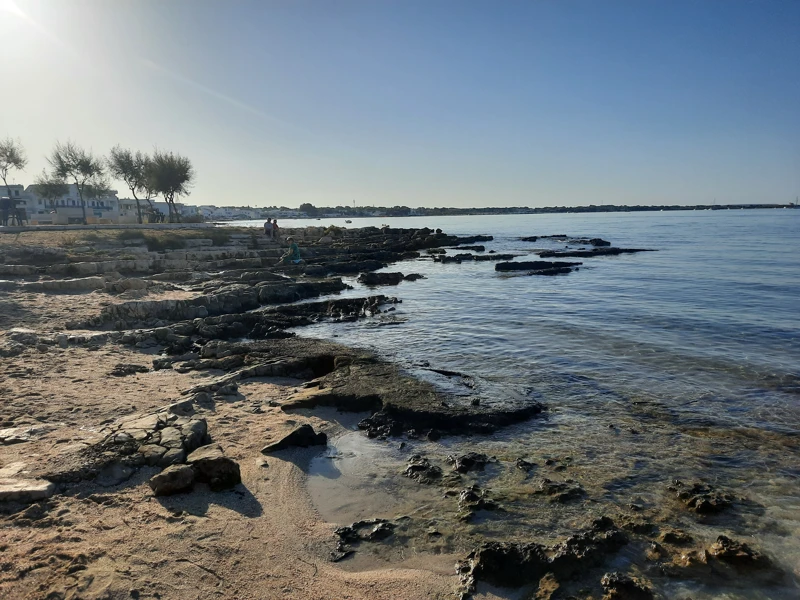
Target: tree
<point>171,175</point>
<point>309,209</point>
<point>12,156</point>
<point>50,189</point>
<point>71,163</point>
<point>134,170</point>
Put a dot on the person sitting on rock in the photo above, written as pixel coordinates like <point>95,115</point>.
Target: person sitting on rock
<point>292,255</point>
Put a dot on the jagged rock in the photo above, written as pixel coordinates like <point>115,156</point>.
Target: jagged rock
<point>737,553</point>
<point>467,462</point>
<point>25,490</point>
<point>504,564</point>
<point>422,470</point>
<point>618,586</point>
<point>304,436</point>
<point>373,530</point>
<point>561,491</point>
<point>675,537</point>
<point>213,467</point>
<point>700,497</point>
<point>472,499</point>
<point>173,479</point>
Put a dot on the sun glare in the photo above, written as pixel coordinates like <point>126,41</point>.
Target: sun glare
<point>10,6</point>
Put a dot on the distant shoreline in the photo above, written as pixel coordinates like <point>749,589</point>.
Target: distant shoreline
<point>403,211</point>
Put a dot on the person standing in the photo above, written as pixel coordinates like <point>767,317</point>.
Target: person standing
<point>276,231</point>
<point>268,229</point>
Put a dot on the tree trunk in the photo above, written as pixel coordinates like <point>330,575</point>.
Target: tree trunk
<point>83,205</point>
<point>138,209</point>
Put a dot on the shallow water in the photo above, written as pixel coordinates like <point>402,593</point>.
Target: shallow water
<point>681,363</point>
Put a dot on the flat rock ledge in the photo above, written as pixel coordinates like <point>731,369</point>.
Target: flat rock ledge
<point>357,381</point>
<point>25,490</point>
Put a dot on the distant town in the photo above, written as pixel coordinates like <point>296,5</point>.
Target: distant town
<point>33,208</point>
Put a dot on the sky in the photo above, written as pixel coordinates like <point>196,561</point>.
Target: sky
<point>419,102</point>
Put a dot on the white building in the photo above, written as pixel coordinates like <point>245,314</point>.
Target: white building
<point>67,208</point>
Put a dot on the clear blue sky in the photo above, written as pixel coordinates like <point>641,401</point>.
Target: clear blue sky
<point>420,103</point>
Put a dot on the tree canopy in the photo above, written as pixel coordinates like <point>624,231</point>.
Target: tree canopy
<point>308,208</point>
<point>134,169</point>
<point>71,163</point>
<point>12,156</point>
<point>171,175</point>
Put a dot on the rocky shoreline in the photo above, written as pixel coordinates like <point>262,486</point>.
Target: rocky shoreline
<point>150,374</point>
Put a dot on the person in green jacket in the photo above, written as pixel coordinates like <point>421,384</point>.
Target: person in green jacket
<point>292,255</point>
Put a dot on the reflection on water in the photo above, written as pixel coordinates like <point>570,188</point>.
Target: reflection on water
<point>681,363</point>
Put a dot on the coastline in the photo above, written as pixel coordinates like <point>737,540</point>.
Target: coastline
<point>100,530</point>
<point>221,341</point>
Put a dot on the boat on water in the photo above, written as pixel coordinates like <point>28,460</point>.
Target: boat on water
<point>347,221</point>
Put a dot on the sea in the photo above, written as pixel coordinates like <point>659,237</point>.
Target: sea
<point>677,364</point>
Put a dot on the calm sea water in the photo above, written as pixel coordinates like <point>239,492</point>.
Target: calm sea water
<point>683,362</point>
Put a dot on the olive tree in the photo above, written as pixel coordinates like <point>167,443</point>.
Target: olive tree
<point>133,169</point>
<point>72,164</point>
<point>171,175</point>
<point>12,156</point>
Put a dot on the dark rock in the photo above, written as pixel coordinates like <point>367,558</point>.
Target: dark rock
<point>504,564</point>
<point>422,470</point>
<point>738,554</point>
<point>493,256</point>
<point>472,248</point>
<point>564,491</point>
<point>531,238</point>
<point>587,549</point>
<point>213,467</point>
<point>467,462</point>
<point>524,465</point>
<point>474,498</point>
<point>533,265</point>
<point>372,530</point>
<point>173,479</point>
<point>590,253</point>
<point>413,277</point>
<point>172,456</point>
<point>380,278</point>
<point>618,586</point>
<point>152,453</point>
<point>123,369</point>
<point>675,537</point>
<point>701,498</point>
<point>304,436</point>
<point>435,434</point>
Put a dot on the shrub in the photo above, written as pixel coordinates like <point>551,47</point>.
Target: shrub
<point>131,234</point>
<point>169,241</point>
